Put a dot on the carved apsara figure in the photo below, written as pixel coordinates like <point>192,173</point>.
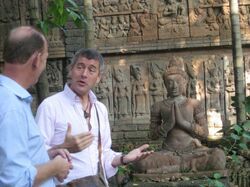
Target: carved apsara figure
<point>139,93</point>
<point>121,94</point>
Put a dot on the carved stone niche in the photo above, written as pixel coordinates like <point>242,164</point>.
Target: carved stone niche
<point>54,72</point>
<point>56,43</point>
<point>134,33</point>
<point>244,13</point>
<point>139,92</point>
<point>122,94</point>
<point>172,19</point>
<point>157,90</point>
<point>203,18</point>
<point>104,91</point>
<point>148,23</point>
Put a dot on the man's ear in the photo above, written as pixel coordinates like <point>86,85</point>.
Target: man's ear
<point>34,60</point>
<point>98,79</point>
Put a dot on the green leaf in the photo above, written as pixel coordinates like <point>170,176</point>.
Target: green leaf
<point>234,136</point>
<point>57,15</point>
<point>60,6</point>
<point>243,146</point>
<point>246,135</point>
<point>238,128</point>
<point>218,184</point>
<point>72,14</point>
<point>72,3</point>
<point>43,26</point>
<point>78,23</point>
<point>52,7</point>
<point>217,175</point>
<point>235,158</point>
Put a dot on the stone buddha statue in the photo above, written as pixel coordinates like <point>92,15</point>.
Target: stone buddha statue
<point>181,123</point>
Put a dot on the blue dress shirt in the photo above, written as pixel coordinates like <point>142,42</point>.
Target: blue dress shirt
<point>21,146</point>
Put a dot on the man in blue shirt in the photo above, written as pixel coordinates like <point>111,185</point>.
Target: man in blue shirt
<point>24,161</point>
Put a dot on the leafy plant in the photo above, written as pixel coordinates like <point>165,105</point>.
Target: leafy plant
<point>58,13</point>
<point>236,139</point>
<point>214,181</point>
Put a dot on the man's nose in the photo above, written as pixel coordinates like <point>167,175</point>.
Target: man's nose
<point>84,72</point>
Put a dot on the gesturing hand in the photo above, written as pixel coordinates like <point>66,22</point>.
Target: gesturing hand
<point>78,142</point>
<point>137,154</point>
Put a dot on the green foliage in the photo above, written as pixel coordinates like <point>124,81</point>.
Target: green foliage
<point>214,181</point>
<point>125,169</point>
<point>58,13</point>
<point>237,138</point>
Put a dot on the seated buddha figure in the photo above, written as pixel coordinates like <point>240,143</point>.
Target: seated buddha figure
<point>181,123</point>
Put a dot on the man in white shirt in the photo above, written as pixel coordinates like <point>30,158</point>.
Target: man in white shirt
<point>69,119</point>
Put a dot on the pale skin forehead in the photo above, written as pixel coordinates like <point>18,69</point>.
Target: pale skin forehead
<point>21,32</point>
<point>89,62</point>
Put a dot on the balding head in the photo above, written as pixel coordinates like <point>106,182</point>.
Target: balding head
<point>21,43</point>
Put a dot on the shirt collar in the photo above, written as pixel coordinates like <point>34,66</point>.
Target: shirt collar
<point>75,98</point>
<point>14,87</point>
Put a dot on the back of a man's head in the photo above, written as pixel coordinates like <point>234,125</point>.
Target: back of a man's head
<point>21,44</point>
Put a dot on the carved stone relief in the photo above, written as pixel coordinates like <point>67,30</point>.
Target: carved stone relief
<point>247,73</point>
<point>192,80</point>
<point>26,12</point>
<point>203,18</point>
<point>214,83</point>
<point>153,20</point>
<point>196,87</point>
<point>148,23</point>
<point>224,22</point>
<point>122,93</point>
<point>9,11</point>
<point>9,18</point>
<point>139,92</point>
<point>54,72</point>
<point>244,16</point>
<point>157,88</point>
<point>229,89</point>
<point>134,33</point>
<point>172,19</point>
<point>104,91</point>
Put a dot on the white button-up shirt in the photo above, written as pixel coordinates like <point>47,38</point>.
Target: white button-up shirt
<point>53,116</point>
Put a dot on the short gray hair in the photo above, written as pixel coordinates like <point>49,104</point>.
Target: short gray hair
<point>90,54</point>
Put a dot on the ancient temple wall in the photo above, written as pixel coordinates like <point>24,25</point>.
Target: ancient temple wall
<point>210,80</point>
<point>137,39</point>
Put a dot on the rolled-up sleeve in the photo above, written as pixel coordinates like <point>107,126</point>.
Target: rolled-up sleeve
<point>16,168</point>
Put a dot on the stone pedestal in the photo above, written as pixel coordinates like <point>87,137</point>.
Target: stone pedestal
<point>178,179</point>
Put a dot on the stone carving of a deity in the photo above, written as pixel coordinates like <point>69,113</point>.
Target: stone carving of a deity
<point>181,123</point>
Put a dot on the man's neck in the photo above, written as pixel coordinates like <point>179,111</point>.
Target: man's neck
<point>85,101</point>
<point>18,73</point>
